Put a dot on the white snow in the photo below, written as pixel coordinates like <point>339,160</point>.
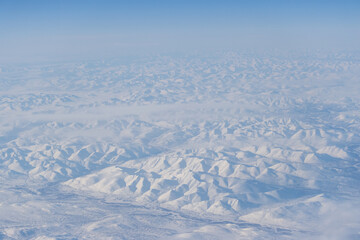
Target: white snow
<point>225,146</point>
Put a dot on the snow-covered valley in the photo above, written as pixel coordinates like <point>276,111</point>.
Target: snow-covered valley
<point>227,146</point>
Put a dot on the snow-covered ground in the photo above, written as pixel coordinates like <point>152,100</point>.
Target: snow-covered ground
<point>224,146</point>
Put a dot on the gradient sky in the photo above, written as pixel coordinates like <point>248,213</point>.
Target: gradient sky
<point>65,29</point>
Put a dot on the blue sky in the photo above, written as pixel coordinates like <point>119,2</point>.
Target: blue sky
<point>67,29</point>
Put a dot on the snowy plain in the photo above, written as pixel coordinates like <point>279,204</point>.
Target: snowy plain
<point>223,146</point>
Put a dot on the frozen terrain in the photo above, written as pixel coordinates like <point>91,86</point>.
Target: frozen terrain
<point>225,146</point>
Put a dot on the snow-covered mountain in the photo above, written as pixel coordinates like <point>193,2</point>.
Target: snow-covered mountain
<point>227,146</point>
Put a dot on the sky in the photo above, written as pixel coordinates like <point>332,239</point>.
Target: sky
<point>66,29</point>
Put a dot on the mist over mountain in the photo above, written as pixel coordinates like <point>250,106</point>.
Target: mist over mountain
<point>179,120</point>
